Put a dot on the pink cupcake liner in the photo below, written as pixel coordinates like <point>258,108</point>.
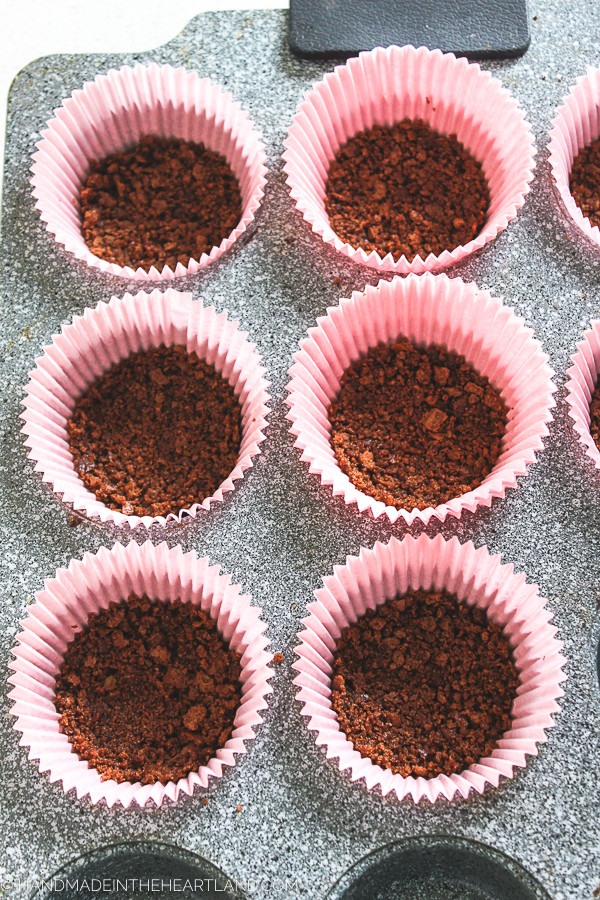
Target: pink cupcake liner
<point>427,309</point>
<point>476,578</point>
<point>111,114</point>
<point>577,124</point>
<point>64,606</point>
<point>101,338</point>
<point>583,377</point>
<point>385,86</point>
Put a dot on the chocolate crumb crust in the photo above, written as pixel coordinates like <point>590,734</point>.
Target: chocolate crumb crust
<point>584,181</point>
<point>148,691</point>
<point>413,427</point>
<point>424,685</point>
<point>157,433</point>
<point>595,416</point>
<point>163,202</point>
<point>406,190</point>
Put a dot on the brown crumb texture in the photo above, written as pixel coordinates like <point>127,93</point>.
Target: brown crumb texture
<point>595,416</point>
<point>584,182</point>
<point>416,427</point>
<point>149,691</point>
<point>424,685</point>
<point>406,190</point>
<point>162,202</point>
<point>157,433</point>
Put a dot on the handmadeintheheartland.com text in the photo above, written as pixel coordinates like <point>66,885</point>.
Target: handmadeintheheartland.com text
<point>91,886</point>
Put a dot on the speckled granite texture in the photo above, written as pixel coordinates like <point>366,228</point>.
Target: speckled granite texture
<point>280,532</point>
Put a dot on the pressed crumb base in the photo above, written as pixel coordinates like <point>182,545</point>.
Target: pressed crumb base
<point>155,434</point>
<point>424,685</point>
<point>149,691</point>
<point>161,203</point>
<point>406,190</point>
<point>584,181</point>
<point>414,428</point>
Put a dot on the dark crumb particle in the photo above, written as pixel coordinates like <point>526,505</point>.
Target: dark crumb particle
<point>414,428</point>
<point>160,203</point>
<point>157,433</point>
<point>584,182</point>
<point>278,658</point>
<point>149,691</point>
<point>424,685</point>
<point>406,190</point>
<point>205,801</point>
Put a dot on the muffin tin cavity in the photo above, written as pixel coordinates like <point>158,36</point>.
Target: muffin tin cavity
<point>438,867</point>
<point>104,336</point>
<point>384,87</point>
<point>112,114</point>
<point>474,577</point>
<point>85,588</point>
<point>430,309</point>
<point>581,384</point>
<point>576,125</point>
<point>125,869</point>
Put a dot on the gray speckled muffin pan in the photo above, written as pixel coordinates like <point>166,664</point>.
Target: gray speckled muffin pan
<point>285,822</point>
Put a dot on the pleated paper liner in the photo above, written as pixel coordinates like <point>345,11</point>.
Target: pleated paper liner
<point>111,114</point>
<point>576,125</point>
<point>427,309</point>
<point>478,579</point>
<point>62,609</point>
<point>385,86</point>
<point>101,338</point>
<point>581,384</point>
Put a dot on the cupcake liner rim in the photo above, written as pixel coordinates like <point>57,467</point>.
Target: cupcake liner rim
<point>111,113</point>
<point>427,309</point>
<point>388,570</point>
<point>582,379</point>
<point>334,110</point>
<point>63,607</point>
<point>103,336</point>
<point>574,126</point>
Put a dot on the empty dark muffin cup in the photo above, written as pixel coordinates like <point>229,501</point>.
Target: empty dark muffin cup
<point>111,114</point>
<point>62,609</point>
<point>477,579</point>
<point>383,87</point>
<point>426,309</point>
<point>111,332</point>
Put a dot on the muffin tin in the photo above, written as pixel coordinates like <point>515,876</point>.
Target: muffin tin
<point>284,821</point>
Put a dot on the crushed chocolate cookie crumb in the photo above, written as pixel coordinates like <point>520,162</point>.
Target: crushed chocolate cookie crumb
<point>406,190</point>
<point>149,691</point>
<point>416,427</point>
<point>155,434</point>
<point>161,203</point>
<point>424,685</point>
<point>584,182</point>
